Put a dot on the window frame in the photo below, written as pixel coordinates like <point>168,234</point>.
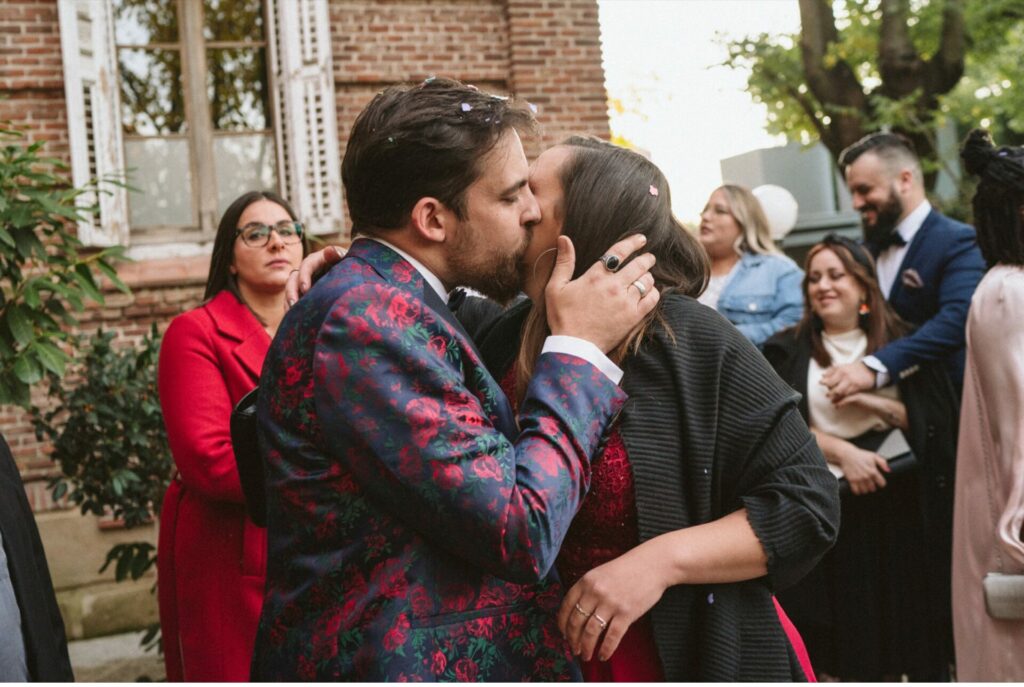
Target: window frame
<point>300,79</point>
<point>200,130</point>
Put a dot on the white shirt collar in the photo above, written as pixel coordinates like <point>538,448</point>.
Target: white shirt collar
<point>427,275</point>
<point>912,222</point>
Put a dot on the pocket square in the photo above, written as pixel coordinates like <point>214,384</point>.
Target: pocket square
<point>911,279</point>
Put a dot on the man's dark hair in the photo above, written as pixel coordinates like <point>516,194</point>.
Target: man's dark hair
<point>999,199</point>
<point>892,148</point>
<point>421,141</point>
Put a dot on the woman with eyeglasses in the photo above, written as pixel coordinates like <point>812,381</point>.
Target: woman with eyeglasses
<point>211,557</point>
<point>878,605</point>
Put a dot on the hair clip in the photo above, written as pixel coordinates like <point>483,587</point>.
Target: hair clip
<point>466,107</point>
<point>653,190</point>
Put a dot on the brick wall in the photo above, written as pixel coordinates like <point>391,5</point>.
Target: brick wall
<point>546,51</point>
<point>31,81</point>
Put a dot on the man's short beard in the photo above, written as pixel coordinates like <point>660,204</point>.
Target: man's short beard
<point>887,216</point>
<point>481,268</point>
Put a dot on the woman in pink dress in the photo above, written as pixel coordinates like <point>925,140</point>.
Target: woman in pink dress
<point>988,517</point>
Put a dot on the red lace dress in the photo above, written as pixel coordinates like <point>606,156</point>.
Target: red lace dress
<point>604,529</point>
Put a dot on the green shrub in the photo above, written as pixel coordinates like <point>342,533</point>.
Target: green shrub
<point>109,440</point>
<point>43,267</point>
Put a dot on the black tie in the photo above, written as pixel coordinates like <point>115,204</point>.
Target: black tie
<point>455,299</point>
<point>893,238</point>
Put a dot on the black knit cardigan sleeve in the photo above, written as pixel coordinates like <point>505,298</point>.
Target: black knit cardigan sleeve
<point>710,428</point>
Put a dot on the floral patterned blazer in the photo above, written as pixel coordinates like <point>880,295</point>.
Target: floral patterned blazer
<point>412,524</point>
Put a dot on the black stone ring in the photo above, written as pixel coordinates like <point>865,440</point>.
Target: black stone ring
<point>611,262</point>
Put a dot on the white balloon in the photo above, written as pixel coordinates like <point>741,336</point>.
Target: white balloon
<point>780,208</point>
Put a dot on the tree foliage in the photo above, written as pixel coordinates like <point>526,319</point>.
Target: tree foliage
<point>857,66</point>
<point>44,270</point>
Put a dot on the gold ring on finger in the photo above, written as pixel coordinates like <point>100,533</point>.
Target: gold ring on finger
<point>600,621</point>
<point>579,609</point>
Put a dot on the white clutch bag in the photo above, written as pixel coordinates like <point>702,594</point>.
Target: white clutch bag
<point>1004,596</point>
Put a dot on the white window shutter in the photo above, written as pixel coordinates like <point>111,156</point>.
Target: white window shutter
<point>307,124</point>
<point>94,123</point>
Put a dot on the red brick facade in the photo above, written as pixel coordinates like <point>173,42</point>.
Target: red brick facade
<point>546,51</point>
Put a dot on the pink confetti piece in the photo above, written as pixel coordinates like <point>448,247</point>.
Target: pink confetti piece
<point>653,190</point>
<point>466,107</point>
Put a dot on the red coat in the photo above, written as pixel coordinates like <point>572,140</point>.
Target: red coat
<point>211,557</point>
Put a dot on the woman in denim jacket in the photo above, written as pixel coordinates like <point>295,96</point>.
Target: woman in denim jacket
<point>753,285</point>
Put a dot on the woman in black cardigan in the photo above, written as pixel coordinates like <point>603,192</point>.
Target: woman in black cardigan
<point>732,497</point>
<point>878,606</point>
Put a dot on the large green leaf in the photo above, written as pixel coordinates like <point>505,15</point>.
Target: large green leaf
<point>51,357</point>
<point>27,368</point>
<point>20,324</point>
<point>84,277</point>
<point>111,274</point>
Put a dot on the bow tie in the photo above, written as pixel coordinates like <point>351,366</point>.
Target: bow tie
<point>893,238</point>
<point>456,298</point>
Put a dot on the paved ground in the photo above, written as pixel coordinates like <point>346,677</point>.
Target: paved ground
<point>118,658</point>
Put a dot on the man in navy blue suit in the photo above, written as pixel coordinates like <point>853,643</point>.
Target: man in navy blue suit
<point>928,264</point>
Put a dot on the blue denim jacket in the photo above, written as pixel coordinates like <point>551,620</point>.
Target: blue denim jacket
<point>763,296</point>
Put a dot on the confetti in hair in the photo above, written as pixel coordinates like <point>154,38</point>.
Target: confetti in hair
<point>653,190</point>
<point>533,108</point>
<point>466,107</point>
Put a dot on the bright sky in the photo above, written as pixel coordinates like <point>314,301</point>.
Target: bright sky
<point>659,59</point>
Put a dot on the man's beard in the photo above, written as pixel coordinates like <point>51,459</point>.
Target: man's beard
<point>481,267</point>
<point>887,216</point>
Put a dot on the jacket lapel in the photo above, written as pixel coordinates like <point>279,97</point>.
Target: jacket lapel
<point>234,321</point>
<point>396,270</point>
<point>913,251</point>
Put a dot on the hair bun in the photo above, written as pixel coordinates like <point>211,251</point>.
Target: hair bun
<point>977,152</point>
<point>1002,166</point>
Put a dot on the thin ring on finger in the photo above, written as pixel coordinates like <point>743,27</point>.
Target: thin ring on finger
<point>611,262</point>
<point>600,621</point>
<point>639,287</point>
<point>579,609</point>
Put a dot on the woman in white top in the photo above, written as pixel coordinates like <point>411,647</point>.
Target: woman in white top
<point>877,607</point>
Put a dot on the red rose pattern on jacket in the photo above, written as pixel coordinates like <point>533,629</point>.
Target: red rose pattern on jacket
<point>412,525</point>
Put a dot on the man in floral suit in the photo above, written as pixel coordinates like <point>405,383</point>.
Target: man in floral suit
<point>413,520</point>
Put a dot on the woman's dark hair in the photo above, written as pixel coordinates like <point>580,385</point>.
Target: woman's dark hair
<point>422,141</point>
<point>220,277</point>
<point>881,323</point>
<point>999,199</point>
<point>609,193</point>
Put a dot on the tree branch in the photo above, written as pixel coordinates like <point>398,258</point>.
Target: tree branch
<point>947,65</point>
<point>837,84</point>
<point>899,64</point>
